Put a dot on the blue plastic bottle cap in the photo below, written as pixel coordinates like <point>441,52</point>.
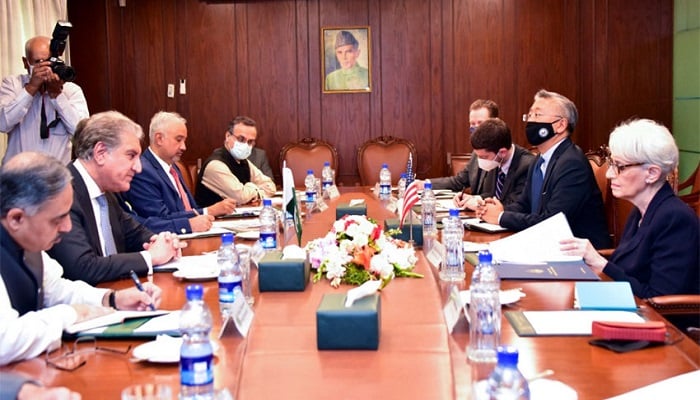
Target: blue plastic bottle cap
<point>385,165</point>
<point>310,172</point>
<point>485,256</point>
<point>193,292</point>
<point>327,164</point>
<point>266,202</point>
<point>427,185</point>
<point>454,212</point>
<point>507,355</point>
<point>227,238</point>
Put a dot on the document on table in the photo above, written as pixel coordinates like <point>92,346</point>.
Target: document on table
<point>115,317</point>
<point>187,263</point>
<point>168,322</point>
<point>214,231</point>
<point>243,212</point>
<point>479,225</point>
<point>536,244</point>
<point>564,323</point>
<point>685,383</point>
<point>238,225</point>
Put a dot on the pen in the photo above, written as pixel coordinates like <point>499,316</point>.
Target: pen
<point>195,211</point>
<point>135,278</point>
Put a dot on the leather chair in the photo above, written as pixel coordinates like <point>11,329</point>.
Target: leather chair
<point>683,310</point>
<point>187,175</point>
<point>457,162</point>
<point>692,198</point>
<point>308,153</point>
<point>384,149</point>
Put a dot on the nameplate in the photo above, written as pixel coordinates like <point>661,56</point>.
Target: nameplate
<point>333,192</point>
<point>241,317</point>
<point>452,309</point>
<point>436,254</point>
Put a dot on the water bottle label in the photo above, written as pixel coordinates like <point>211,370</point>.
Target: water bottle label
<point>227,290</point>
<point>327,184</point>
<point>310,197</point>
<point>268,240</point>
<point>195,371</point>
<point>453,257</point>
<point>385,189</point>
<point>484,315</point>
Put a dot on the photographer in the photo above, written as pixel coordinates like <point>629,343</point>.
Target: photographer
<point>39,110</point>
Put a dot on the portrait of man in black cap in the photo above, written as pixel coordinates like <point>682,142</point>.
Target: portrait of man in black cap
<point>345,73</point>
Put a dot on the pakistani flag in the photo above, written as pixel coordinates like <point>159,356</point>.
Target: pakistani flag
<point>289,199</point>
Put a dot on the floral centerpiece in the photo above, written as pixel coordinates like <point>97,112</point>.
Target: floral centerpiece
<point>357,250</point>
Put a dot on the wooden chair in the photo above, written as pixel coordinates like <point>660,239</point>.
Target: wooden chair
<point>457,162</point>
<point>683,310</point>
<point>692,198</point>
<point>187,175</point>
<point>384,149</point>
<point>308,153</point>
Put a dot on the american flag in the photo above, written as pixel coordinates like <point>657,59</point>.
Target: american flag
<point>409,169</point>
<point>409,200</point>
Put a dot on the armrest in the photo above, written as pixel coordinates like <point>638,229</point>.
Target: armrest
<point>676,304</point>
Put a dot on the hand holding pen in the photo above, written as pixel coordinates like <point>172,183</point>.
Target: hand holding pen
<point>148,294</point>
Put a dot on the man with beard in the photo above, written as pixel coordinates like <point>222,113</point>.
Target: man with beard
<point>105,242</point>
<point>158,196</point>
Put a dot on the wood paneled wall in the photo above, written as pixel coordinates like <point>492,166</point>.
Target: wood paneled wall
<point>430,60</point>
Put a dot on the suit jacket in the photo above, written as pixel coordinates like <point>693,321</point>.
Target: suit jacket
<point>485,182</point>
<point>154,201</point>
<point>259,158</point>
<point>570,187</point>
<point>658,254</point>
<point>79,251</point>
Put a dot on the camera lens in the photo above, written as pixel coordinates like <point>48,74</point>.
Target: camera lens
<point>65,72</point>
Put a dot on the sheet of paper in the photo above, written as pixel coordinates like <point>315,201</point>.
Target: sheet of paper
<point>574,322</point>
<point>536,244</point>
<point>110,319</point>
<point>238,225</point>
<point>473,247</point>
<point>214,231</point>
<point>187,263</point>
<point>686,383</point>
<point>476,223</point>
<point>446,204</point>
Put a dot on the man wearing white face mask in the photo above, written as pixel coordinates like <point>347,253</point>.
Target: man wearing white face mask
<point>503,165</point>
<point>227,173</point>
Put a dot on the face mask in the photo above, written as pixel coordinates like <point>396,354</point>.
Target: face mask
<point>538,132</point>
<point>31,70</point>
<point>240,150</point>
<point>472,129</point>
<point>488,165</point>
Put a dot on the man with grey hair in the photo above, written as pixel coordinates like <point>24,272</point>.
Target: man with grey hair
<point>560,180</point>
<point>36,303</point>
<point>158,196</point>
<point>39,111</point>
<point>105,242</point>
<point>350,75</point>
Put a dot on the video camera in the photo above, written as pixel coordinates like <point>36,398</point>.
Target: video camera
<point>57,46</point>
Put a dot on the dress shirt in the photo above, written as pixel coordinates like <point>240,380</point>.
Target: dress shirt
<point>219,178</point>
<point>20,116</point>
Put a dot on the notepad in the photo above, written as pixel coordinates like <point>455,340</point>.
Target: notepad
<point>113,318</point>
<point>604,296</point>
<point>479,225</point>
<point>564,323</point>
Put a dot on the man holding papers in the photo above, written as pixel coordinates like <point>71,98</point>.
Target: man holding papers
<point>36,303</point>
<point>658,251</point>
<point>158,196</point>
<point>560,180</point>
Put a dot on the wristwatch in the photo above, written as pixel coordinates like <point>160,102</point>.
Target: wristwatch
<point>112,300</point>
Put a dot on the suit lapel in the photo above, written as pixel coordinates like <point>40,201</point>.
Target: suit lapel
<point>83,205</point>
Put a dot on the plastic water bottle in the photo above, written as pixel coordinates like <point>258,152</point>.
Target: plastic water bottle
<point>402,186</point>
<point>310,184</point>
<point>268,226</point>
<point>229,274</point>
<point>484,311</point>
<point>452,235</point>
<point>428,212</point>
<point>326,178</point>
<point>196,353</point>
<point>384,182</point>
<point>506,381</point>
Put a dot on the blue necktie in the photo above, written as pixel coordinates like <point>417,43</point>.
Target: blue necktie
<point>106,227</point>
<point>537,179</point>
<point>499,184</point>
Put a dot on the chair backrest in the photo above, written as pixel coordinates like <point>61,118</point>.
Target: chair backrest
<point>187,175</point>
<point>384,149</point>
<point>457,161</point>
<point>599,163</point>
<point>308,153</point>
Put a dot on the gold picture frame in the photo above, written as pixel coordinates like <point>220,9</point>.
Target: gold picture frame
<point>346,59</point>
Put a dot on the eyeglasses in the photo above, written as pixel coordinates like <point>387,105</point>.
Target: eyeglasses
<point>70,358</point>
<point>618,168</point>
<point>531,116</point>
<point>242,139</point>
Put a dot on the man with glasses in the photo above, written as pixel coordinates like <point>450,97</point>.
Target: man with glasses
<point>39,111</point>
<point>560,180</point>
<point>227,173</point>
<point>158,196</point>
<point>36,302</point>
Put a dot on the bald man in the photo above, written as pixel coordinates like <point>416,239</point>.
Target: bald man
<point>38,110</point>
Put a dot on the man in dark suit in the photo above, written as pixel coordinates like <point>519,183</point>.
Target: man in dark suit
<point>158,197</point>
<point>501,166</point>
<point>560,180</point>
<point>105,242</point>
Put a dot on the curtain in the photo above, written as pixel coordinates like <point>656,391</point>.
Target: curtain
<point>21,20</point>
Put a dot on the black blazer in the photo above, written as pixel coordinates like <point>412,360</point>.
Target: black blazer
<point>570,187</point>
<point>79,251</point>
<point>484,183</point>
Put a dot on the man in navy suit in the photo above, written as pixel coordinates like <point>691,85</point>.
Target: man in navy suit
<point>105,243</point>
<point>560,179</point>
<point>158,196</point>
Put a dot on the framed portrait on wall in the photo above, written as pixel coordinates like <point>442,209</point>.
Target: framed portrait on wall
<point>346,59</point>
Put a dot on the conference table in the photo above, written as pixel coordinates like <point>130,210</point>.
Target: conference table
<point>417,356</point>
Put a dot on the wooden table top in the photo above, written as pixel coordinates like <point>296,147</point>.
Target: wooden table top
<point>416,356</point>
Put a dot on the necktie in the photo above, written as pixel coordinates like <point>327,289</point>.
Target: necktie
<point>499,184</point>
<point>106,227</point>
<point>43,129</point>
<point>180,189</point>
<point>537,179</point>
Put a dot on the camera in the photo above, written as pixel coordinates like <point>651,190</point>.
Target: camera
<point>57,46</point>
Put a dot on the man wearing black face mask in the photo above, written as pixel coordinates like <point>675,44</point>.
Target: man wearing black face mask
<point>560,180</point>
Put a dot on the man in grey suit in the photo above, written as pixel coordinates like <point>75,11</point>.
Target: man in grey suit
<point>105,242</point>
<point>259,158</point>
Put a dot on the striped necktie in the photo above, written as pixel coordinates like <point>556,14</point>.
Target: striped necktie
<point>499,184</point>
<point>106,227</point>
<point>180,189</point>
